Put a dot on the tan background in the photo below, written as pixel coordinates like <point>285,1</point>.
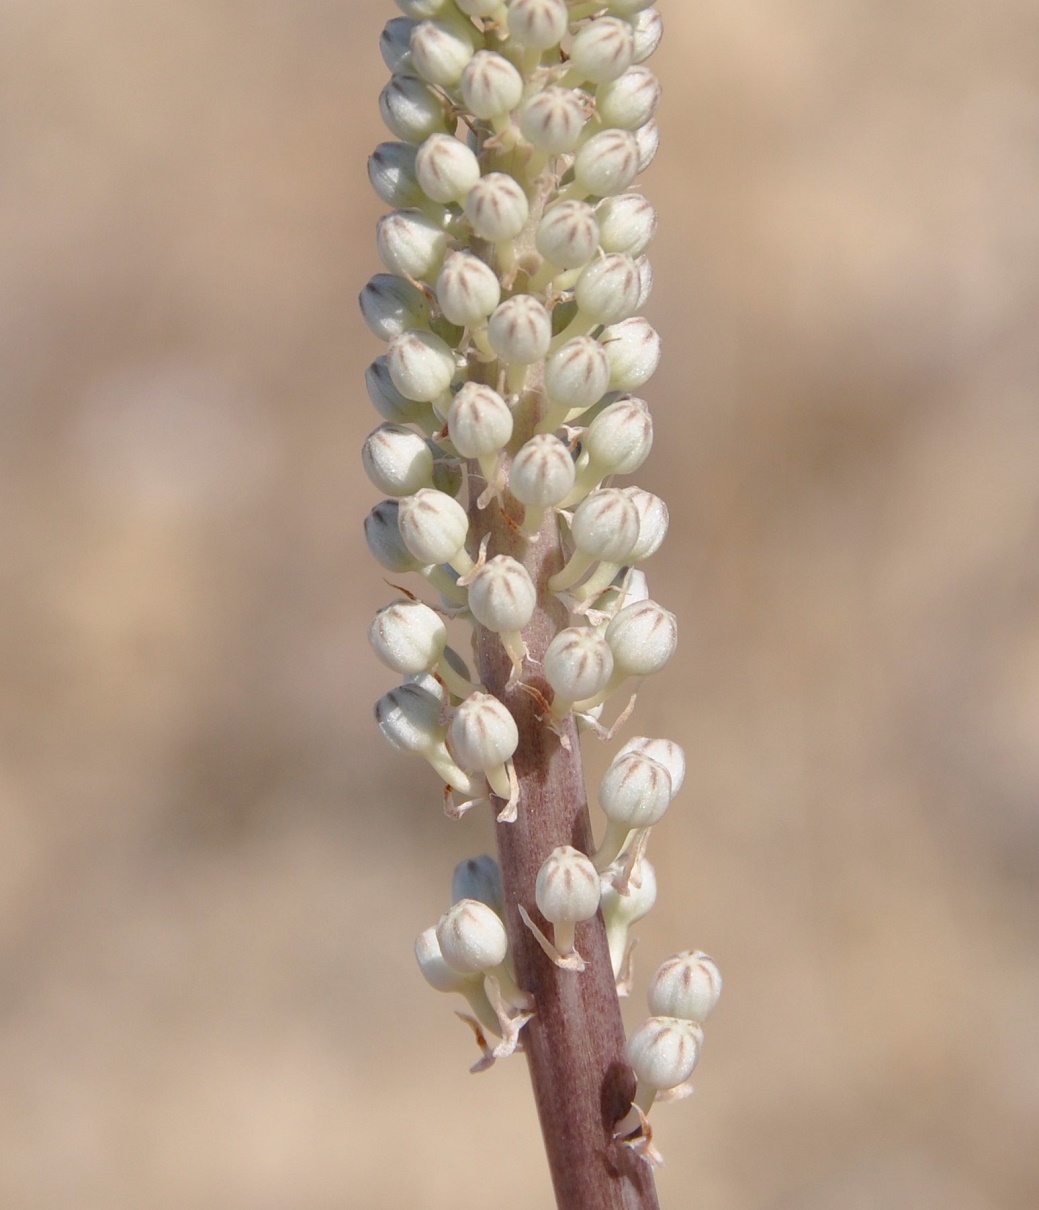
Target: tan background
<point>211,869</point>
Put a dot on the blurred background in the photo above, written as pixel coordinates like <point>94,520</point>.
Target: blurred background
<point>212,869</point>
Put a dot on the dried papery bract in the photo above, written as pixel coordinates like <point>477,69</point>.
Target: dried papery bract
<point>514,279</point>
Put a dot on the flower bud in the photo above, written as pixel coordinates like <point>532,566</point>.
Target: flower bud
<point>496,207</point>
<point>620,437</point>
<point>568,234</point>
<point>388,401</point>
<point>390,305</point>
<point>467,289</point>
<point>635,791</point>
<point>605,525</point>
<point>578,664</point>
<point>435,970</point>
<point>408,636</point>
<point>439,52</point>
<point>630,100</point>
<point>537,24</point>
<point>602,50</point>
<point>479,421</point>
<point>633,350</point>
<point>490,85</point>
<point>446,168</point>
<point>421,365</point>
<point>410,243</point>
<point>395,45</point>
<point>647,144</point>
<point>434,526</point>
<point>412,110</point>
<point>542,474</point>
<point>483,733</point>
<point>607,163</point>
<point>479,878</point>
<point>653,522</point>
<point>567,887</point>
<point>627,223</point>
<point>643,637</point>
<point>382,533</point>
<point>577,374</point>
<point>391,171</point>
<point>608,289</point>
<point>648,28</point>
<point>664,1051</point>
<point>552,120</point>
<point>502,595</point>
<point>472,937</point>
<point>397,460</point>
<point>409,718</point>
<point>687,985</point>
<point>666,752</point>
<point>520,330</point>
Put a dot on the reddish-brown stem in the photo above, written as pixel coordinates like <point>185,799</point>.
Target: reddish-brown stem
<point>575,1042</point>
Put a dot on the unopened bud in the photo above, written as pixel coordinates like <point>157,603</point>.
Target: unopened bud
<point>607,163</point>
<point>490,85</point>
<point>648,28</point>
<point>439,52</point>
<point>663,1053</point>
<point>577,374</point>
<point>643,637</point>
<point>630,100</point>
<point>397,460</point>
<point>412,110</point>
<point>666,751</point>
<point>410,243</point>
<point>627,223</point>
<point>633,349</point>
<point>568,234</point>
<point>391,305</point>
<point>608,289</point>
<point>497,207</point>
<point>434,527</point>
<point>421,365</point>
<point>467,289</point>
<point>538,24</point>
<point>395,44</point>
<point>391,171</point>
<point>446,168</point>
<point>479,421</point>
<point>520,330</point>
<point>687,985</point>
<point>578,664</point>
<point>552,120</point>
<point>602,50</point>
<point>472,937</point>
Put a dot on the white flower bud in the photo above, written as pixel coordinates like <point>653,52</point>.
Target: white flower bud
<point>390,305</point>
<point>607,163</point>
<point>421,365</point>
<point>439,52</point>
<point>391,171</point>
<point>397,460</point>
<point>567,887</point>
<point>483,732</point>
<point>653,522</point>
<point>410,243</point>
<point>605,525</point>
<point>520,330</point>
<point>633,349</point>
<point>388,401</point>
<point>479,421</point>
<point>635,792</point>
<point>538,24</point>
<point>434,527</point>
<point>552,120</point>
<point>497,207</point>
<point>619,439</point>
<point>435,970</point>
<point>382,534</point>
<point>643,637</point>
<point>627,223</point>
<point>446,168</point>
<point>568,234</point>
<point>395,44</point>
<point>687,985</point>
<point>602,50</point>
<point>647,144</point>
<point>467,289</point>
<point>608,289</point>
<point>479,878</point>
<point>472,937</point>
<point>490,85</point>
<point>412,110</point>
<point>577,374</point>
<point>663,1052</point>
<point>629,101</point>
<point>502,595</point>
<point>409,718</point>
<point>648,28</point>
<point>666,751</point>
<point>578,664</point>
<point>542,474</point>
<point>408,637</point>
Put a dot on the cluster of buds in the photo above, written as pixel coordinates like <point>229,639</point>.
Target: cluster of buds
<point>515,276</point>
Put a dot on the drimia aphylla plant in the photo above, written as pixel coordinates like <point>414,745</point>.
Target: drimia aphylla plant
<point>509,391</point>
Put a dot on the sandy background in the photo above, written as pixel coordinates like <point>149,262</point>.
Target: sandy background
<point>212,870</point>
